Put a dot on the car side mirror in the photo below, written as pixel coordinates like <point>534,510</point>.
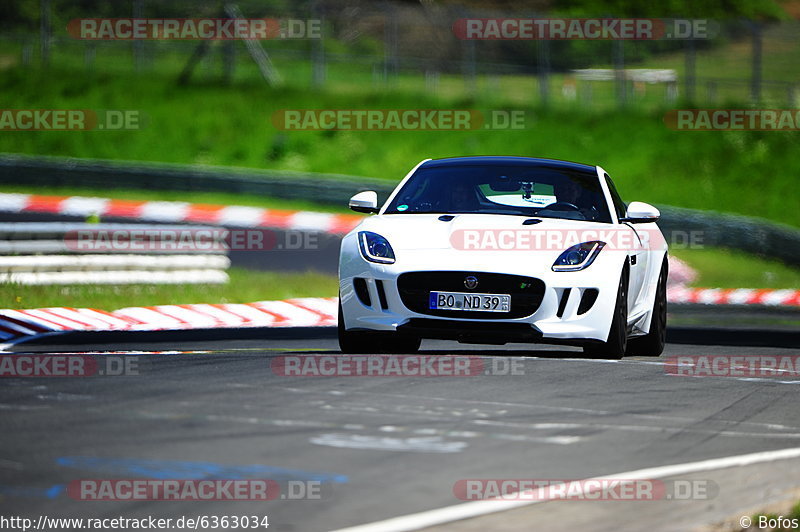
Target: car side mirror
<point>640,213</point>
<point>366,201</point>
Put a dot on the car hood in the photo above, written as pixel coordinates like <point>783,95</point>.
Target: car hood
<point>427,231</point>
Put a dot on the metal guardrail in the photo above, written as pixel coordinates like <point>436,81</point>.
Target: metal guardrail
<point>52,237</point>
<point>752,235</point>
<point>68,172</point>
<point>117,277</point>
<point>126,254</point>
<point>743,233</point>
<point>93,263</point>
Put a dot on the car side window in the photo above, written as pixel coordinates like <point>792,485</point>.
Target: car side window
<point>619,205</point>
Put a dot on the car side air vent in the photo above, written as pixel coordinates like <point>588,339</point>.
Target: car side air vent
<point>562,305</point>
<point>588,299</point>
<point>382,294</point>
<point>532,221</point>
<point>360,285</point>
<point>446,217</point>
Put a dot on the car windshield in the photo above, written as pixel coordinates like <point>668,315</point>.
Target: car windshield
<point>494,189</point>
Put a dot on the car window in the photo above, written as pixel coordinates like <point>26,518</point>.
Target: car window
<point>498,189</point>
<point>529,194</point>
<point>619,206</point>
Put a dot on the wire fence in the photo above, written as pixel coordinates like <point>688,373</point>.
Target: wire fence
<point>393,45</point>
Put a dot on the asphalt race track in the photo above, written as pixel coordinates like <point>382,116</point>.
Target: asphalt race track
<point>353,450</point>
<point>382,447</point>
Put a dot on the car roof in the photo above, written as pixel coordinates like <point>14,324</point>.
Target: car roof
<point>508,161</point>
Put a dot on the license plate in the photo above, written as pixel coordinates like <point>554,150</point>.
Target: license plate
<point>474,302</point>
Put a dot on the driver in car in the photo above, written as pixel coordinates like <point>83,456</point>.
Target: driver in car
<point>569,192</point>
<point>572,197</point>
<point>462,197</point>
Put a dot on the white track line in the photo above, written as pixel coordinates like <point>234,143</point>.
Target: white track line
<point>468,510</point>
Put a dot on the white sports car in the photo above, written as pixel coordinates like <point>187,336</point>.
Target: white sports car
<point>504,249</point>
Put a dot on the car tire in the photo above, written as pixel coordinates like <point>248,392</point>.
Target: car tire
<point>398,344</point>
<point>652,344</point>
<point>361,342</point>
<point>614,348</point>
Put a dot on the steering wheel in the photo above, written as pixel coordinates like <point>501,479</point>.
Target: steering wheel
<point>562,206</point>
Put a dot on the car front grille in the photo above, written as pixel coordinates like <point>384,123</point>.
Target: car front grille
<point>526,292</point>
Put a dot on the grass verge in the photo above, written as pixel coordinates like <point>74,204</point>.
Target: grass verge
<point>723,268</point>
<point>752,173</point>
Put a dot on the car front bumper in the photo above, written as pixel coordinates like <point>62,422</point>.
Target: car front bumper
<point>559,316</point>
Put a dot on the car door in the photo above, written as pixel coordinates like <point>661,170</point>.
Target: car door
<point>637,254</point>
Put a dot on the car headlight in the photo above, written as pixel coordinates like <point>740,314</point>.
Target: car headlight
<point>578,257</point>
<point>375,248</point>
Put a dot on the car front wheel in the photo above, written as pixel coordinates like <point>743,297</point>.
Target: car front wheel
<point>614,347</point>
<point>652,344</point>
